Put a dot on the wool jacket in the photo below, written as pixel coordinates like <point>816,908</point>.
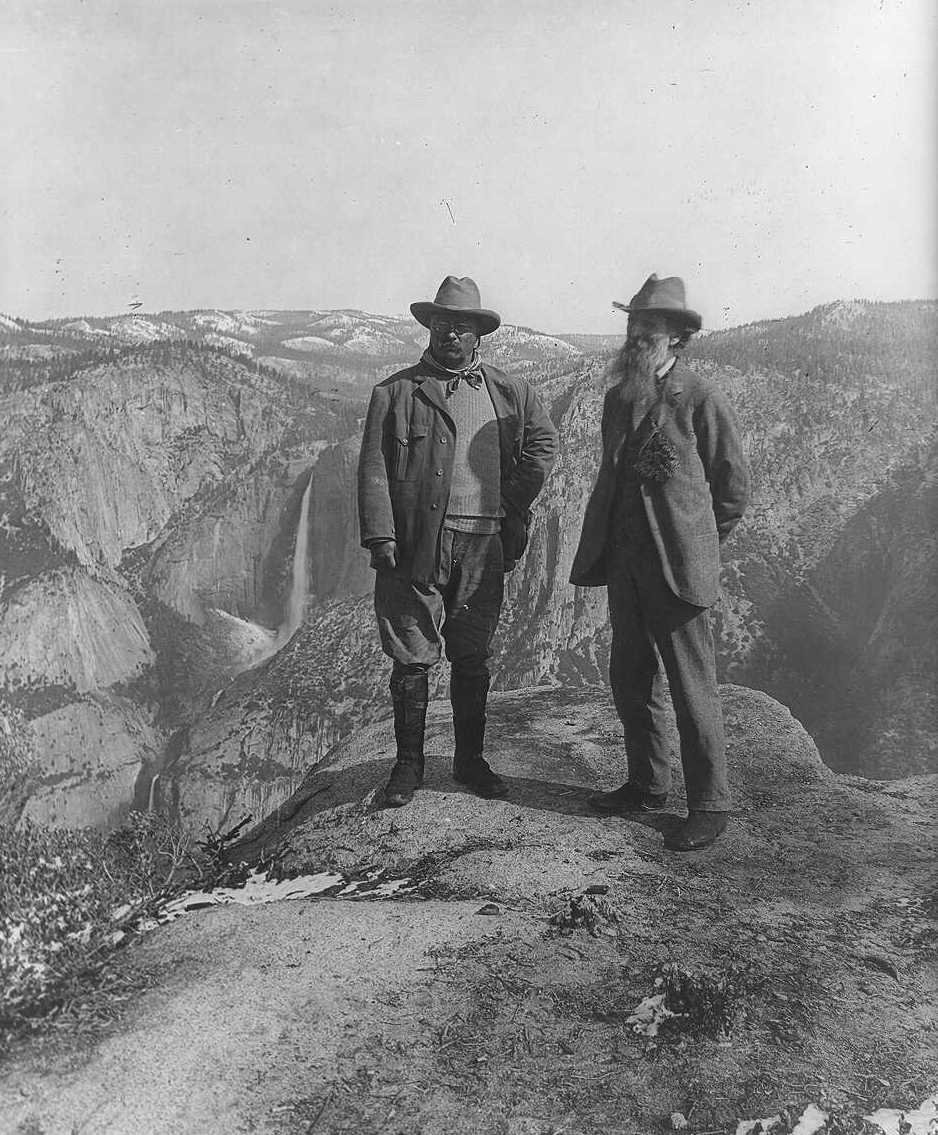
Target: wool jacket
<point>692,512</point>
<point>405,466</point>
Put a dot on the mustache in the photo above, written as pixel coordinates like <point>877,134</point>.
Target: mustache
<point>637,357</point>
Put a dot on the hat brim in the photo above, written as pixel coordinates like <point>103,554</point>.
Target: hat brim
<point>488,321</point>
<point>690,318</point>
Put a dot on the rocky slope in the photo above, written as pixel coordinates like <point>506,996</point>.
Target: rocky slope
<point>500,996</point>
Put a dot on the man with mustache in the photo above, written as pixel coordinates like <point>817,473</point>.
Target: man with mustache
<point>453,454</point>
<point>672,484</point>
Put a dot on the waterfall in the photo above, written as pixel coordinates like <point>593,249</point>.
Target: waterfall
<point>299,585</point>
<point>249,643</point>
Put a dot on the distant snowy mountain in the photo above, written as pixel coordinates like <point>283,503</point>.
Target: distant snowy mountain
<point>345,352</point>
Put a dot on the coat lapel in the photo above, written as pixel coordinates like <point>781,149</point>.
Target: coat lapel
<point>432,391</point>
<point>510,425</point>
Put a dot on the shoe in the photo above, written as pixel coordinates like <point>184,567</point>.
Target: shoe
<point>628,798</point>
<point>478,775</point>
<point>698,831</point>
<point>406,777</point>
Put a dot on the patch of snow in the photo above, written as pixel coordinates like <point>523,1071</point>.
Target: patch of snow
<point>310,343</point>
<point>259,888</point>
<point>218,321</point>
<point>139,329</point>
<point>890,1121</point>
<point>758,1126</point>
<point>811,1121</point>
<point>232,322</point>
<point>8,324</point>
<point>649,1015</point>
<point>922,1121</point>
<point>511,333</point>
<point>237,345</point>
<point>382,890</point>
<point>368,341</point>
<point>335,321</point>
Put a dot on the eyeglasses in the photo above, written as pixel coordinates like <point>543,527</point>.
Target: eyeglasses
<point>444,326</point>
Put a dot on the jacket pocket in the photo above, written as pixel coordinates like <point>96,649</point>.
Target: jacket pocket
<point>409,455</point>
<point>514,533</point>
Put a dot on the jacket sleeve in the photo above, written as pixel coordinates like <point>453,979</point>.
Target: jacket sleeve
<point>538,452</point>
<point>724,462</point>
<point>375,514</point>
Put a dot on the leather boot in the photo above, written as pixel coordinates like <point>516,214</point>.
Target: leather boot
<point>698,831</point>
<point>409,698</point>
<point>468,693</point>
<point>628,799</point>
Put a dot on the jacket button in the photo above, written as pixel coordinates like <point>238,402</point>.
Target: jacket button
<point>442,441</point>
<point>439,472</point>
<point>434,506</point>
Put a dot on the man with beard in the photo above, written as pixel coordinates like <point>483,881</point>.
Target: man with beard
<point>453,454</point>
<point>672,485</point>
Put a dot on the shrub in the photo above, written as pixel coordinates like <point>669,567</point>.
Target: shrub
<point>705,1004</point>
<point>66,895</point>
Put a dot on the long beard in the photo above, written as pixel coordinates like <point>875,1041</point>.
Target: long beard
<point>635,370</point>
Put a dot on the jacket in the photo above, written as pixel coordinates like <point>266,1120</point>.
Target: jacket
<point>692,512</point>
<point>406,464</point>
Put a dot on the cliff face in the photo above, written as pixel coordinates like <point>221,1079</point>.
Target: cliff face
<point>65,628</point>
<point>856,644</point>
<point>93,752</point>
<point>113,454</point>
<point>137,491</point>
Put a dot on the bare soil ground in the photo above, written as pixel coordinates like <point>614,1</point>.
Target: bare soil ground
<point>484,1002</point>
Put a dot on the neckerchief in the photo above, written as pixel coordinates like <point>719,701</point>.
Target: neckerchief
<point>472,373</point>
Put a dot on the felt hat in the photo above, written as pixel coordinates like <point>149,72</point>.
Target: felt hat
<point>457,296</point>
<point>665,297</point>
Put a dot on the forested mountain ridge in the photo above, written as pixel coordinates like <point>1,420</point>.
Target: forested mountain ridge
<point>342,352</point>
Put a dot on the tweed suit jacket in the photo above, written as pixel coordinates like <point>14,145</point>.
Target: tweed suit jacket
<point>405,467</point>
<point>692,512</point>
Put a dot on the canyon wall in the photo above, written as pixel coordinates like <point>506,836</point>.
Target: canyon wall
<point>149,503</point>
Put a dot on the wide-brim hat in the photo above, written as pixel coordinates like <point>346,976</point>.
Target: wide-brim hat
<point>665,297</point>
<point>457,296</point>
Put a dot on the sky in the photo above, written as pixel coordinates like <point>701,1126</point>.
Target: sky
<point>302,154</point>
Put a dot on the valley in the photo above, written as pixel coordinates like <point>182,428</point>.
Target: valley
<point>153,473</point>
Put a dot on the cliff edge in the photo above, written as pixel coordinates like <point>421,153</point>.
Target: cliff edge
<point>539,970</point>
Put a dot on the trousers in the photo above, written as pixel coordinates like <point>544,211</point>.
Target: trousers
<point>654,633</point>
<point>459,613</point>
